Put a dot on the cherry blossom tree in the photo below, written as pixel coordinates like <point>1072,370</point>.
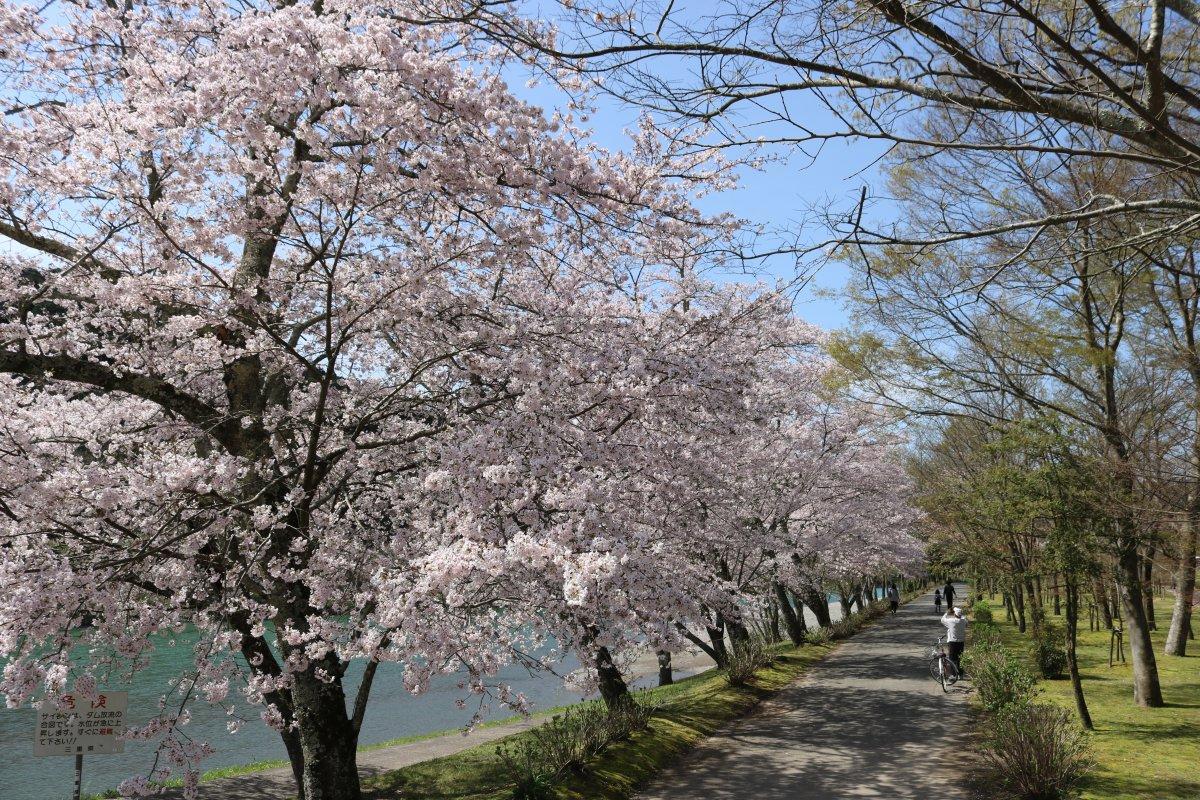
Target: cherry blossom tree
<point>275,277</point>
<point>316,339</point>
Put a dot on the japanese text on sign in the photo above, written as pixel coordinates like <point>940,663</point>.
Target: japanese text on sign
<point>82,725</point>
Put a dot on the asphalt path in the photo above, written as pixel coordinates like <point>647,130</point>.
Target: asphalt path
<point>866,721</point>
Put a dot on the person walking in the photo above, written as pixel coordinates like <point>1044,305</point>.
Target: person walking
<point>893,596</point>
<point>948,594</point>
<point>937,602</point>
<point>956,636</point>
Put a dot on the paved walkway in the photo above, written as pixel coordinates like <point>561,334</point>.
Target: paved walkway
<point>867,721</point>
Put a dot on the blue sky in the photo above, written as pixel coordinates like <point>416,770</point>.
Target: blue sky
<point>777,196</point>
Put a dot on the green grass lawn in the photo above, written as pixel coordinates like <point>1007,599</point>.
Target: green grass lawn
<point>1140,752</point>
<point>691,710</point>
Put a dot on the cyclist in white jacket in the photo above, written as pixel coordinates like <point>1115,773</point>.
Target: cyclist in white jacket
<point>956,635</point>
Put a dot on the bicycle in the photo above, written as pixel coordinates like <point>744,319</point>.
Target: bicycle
<point>941,667</point>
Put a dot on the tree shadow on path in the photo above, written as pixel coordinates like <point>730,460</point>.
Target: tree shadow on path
<point>868,721</point>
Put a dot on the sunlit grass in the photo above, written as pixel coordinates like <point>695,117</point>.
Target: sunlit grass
<point>1150,753</point>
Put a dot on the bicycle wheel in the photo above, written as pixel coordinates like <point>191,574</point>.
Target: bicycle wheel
<point>949,673</point>
<point>935,667</point>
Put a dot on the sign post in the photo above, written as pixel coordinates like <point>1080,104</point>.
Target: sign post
<point>82,726</point>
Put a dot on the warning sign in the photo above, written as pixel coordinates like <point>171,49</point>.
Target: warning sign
<point>82,726</point>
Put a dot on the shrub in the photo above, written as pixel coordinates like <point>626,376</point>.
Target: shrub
<point>745,660</point>
<point>532,776</point>
<point>1035,752</point>
<point>1049,652</point>
<point>982,612</point>
<point>1000,678</point>
<point>817,636</point>
<point>566,743</point>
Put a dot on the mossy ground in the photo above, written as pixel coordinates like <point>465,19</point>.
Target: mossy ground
<point>1143,753</point>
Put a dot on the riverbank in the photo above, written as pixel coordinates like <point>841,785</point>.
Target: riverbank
<point>430,759</point>
<point>271,780</point>
<point>1139,752</point>
<point>409,720</point>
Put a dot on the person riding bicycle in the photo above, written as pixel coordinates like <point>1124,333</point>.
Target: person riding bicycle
<point>956,636</point>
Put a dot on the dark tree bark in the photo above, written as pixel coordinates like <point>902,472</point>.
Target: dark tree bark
<point>1037,614</point>
<point>844,601</point>
<point>327,739</point>
<point>1057,598</point>
<point>613,689</point>
<point>1019,606</point>
<point>1146,688</point>
<point>1185,583</point>
<point>819,605</point>
<point>739,635</point>
<point>715,647</point>
<point>665,674</point>
<point>1101,596</point>
<point>1148,586</point>
<point>773,613</point>
<point>716,637</point>
<point>793,622</point>
<point>1085,717</point>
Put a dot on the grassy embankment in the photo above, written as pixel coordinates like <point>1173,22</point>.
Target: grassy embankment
<point>1140,753</point>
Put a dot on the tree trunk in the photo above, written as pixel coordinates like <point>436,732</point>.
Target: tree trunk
<point>1009,614</point>
<point>1057,598</point>
<point>1146,689</point>
<point>1148,587</point>
<point>793,623</point>
<point>819,605</point>
<point>612,686</point>
<point>715,647</point>
<point>665,674</point>
<point>1019,603</point>
<point>1185,585</point>
<point>716,635</point>
<point>773,620</point>
<point>261,661</point>
<point>1101,596</point>
<point>844,601</point>
<point>1085,717</point>
<point>327,739</point>
<point>738,634</point>
<point>1034,603</point>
